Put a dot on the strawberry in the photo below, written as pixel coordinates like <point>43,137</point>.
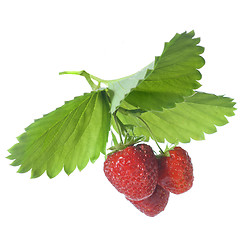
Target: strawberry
<point>133,171</point>
<point>176,171</point>
<point>154,204</point>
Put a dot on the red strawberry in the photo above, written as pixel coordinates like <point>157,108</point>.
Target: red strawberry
<point>176,172</point>
<point>154,204</point>
<point>133,171</point>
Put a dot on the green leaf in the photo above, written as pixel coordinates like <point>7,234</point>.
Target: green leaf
<point>167,80</point>
<point>124,86</point>
<point>68,137</point>
<point>198,114</point>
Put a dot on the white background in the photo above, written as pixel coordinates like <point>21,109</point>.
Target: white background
<point>112,39</point>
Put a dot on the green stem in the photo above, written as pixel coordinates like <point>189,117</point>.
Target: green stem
<point>118,128</point>
<point>84,74</point>
<point>133,112</point>
<point>151,133</point>
<point>71,72</point>
<point>99,80</point>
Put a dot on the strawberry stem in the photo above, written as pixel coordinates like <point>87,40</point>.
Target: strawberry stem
<point>151,133</point>
<point>118,127</point>
<point>84,74</point>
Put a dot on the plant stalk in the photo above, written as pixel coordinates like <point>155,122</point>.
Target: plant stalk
<point>151,133</point>
<point>84,74</point>
<point>118,127</point>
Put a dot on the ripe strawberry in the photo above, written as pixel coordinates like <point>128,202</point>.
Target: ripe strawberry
<point>154,204</point>
<point>133,171</point>
<point>176,172</point>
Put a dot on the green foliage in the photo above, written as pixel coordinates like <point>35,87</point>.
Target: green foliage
<point>158,102</point>
<point>121,87</point>
<point>68,137</point>
<point>197,115</point>
<point>167,80</point>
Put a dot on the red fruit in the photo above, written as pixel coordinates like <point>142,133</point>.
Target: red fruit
<point>176,172</point>
<point>133,171</point>
<point>154,204</point>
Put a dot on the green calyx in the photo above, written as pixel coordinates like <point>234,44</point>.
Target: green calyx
<point>128,130</point>
<point>129,141</point>
<point>125,132</point>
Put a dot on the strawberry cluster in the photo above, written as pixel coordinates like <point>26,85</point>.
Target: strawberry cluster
<point>145,179</point>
